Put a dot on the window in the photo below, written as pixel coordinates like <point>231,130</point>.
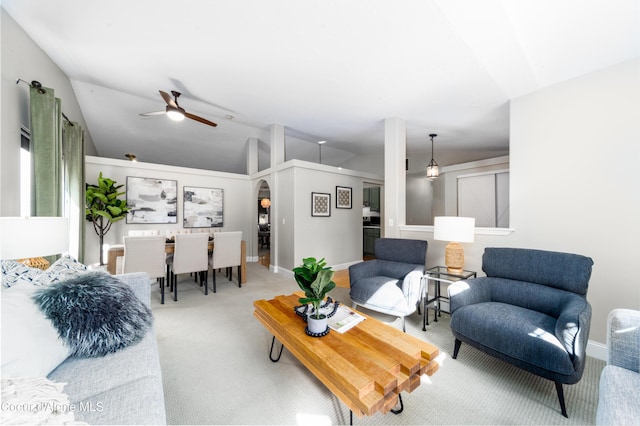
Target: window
<point>25,172</point>
<point>485,196</point>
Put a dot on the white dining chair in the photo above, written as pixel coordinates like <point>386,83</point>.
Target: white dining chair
<point>146,254</point>
<point>143,232</point>
<point>190,255</point>
<point>227,254</point>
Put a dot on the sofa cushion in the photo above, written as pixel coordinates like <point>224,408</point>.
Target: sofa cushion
<point>124,387</point>
<point>31,345</point>
<point>95,313</point>
<point>62,269</point>
<point>14,272</point>
<point>517,332</point>
<point>535,297</point>
<point>618,399</point>
<point>383,293</point>
<point>565,271</point>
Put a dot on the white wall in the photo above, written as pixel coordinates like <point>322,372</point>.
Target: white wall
<point>238,205</point>
<point>22,58</point>
<point>574,152</point>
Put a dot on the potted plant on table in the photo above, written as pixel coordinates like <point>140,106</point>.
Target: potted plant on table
<point>314,277</point>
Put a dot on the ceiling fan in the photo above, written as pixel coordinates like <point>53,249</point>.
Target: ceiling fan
<point>175,111</point>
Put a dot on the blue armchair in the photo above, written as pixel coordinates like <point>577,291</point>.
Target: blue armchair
<point>530,311</point>
<point>390,283</point>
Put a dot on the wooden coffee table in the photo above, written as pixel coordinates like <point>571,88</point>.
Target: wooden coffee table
<point>366,367</point>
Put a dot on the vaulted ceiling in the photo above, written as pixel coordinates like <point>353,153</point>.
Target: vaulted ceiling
<point>325,69</point>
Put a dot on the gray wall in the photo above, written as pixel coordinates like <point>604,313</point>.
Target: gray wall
<point>337,238</point>
<point>22,58</point>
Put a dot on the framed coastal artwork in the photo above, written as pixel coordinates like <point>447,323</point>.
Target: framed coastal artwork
<point>152,200</point>
<point>320,204</point>
<point>203,207</point>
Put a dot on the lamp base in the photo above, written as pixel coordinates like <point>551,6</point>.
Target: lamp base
<point>454,258</point>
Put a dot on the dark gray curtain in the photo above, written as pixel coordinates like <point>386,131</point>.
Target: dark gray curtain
<point>74,186</point>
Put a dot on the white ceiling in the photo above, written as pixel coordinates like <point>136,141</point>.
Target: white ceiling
<point>325,69</point>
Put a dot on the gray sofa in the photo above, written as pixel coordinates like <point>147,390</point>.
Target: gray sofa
<point>530,311</point>
<point>619,397</point>
<point>124,387</point>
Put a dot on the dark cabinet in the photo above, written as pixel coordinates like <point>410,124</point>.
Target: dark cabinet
<point>371,198</point>
<point>369,236</point>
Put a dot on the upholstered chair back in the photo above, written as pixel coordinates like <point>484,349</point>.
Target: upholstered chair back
<point>145,254</point>
<point>191,254</point>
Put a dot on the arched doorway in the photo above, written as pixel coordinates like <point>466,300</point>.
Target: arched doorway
<point>264,224</point>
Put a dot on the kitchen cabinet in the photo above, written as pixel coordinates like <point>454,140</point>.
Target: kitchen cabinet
<point>371,198</point>
<point>369,235</point>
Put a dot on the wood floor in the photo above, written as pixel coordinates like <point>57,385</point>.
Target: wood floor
<point>341,278</point>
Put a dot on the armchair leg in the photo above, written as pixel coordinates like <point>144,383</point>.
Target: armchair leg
<point>403,325</point>
<point>456,348</point>
<point>560,392</point>
<point>239,276</point>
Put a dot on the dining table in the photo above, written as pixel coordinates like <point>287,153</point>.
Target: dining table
<point>117,250</point>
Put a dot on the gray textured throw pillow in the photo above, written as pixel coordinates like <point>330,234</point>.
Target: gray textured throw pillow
<point>95,313</point>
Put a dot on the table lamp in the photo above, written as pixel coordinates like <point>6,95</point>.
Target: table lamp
<point>456,230</point>
<point>27,239</point>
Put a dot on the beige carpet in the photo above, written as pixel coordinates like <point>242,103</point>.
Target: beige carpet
<point>216,370</point>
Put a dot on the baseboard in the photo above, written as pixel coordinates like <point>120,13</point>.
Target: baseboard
<point>597,350</point>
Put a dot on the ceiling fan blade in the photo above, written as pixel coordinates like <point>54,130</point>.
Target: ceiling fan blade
<point>148,114</point>
<point>167,98</point>
<point>200,119</point>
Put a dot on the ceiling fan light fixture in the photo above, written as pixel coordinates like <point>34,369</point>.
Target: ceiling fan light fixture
<point>175,113</point>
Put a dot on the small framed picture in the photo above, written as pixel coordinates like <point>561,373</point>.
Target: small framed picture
<point>343,197</point>
<point>320,204</point>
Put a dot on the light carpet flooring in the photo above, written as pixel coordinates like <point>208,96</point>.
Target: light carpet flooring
<point>216,370</point>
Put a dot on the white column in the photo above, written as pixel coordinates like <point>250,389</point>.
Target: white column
<point>277,144</point>
<point>277,157</point>
<point>252,156</point>
<point>395,148</point>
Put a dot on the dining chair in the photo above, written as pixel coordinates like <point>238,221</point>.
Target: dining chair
<point>190,255</point>
<point>146,254</point>
<point>227,254</point>
<point>143,232</point>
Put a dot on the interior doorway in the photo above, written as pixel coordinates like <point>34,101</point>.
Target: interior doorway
<point>264,224</point>
<point>372,204</point>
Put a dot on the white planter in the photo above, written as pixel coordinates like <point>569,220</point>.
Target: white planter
<point>315,325</point>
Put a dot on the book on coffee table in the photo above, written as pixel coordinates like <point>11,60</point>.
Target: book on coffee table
<point>344,319</point>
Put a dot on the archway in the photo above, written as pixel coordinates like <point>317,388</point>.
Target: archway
<point>264,224</point>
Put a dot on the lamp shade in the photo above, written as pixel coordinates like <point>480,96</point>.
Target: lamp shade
<point>25,237</point>
<point>454,228</point>
<point>265,203</point>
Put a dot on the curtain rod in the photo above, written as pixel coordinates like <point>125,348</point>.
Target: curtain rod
<point>36,84</point>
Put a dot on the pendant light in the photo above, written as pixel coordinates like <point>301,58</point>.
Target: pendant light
<point>433,171</point>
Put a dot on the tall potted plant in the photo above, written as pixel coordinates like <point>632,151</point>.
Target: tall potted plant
<point>103,207</point>
<point>315,279</point>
